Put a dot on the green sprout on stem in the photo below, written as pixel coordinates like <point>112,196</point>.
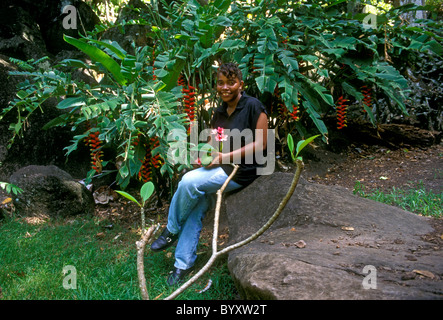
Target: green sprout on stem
<point>146,192</point>
<point>300,145</point>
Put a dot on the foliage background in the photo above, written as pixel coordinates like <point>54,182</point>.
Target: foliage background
<point>307,61</point>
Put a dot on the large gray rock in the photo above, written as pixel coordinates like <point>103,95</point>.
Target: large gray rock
<point>49,191</point>
<point>351,248</point>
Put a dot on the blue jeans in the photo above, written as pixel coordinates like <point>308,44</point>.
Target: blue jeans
<point>195,195</point>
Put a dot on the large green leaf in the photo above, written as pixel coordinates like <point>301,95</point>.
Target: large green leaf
<point>71,102</point>
<point>288,60</point>
<point>222,5</point>
<point>169,67</point>
<point>99,56</point>
<point>147,190</point>
<point>113,46</point>
<point>128,196</point>
<point>315,117</point>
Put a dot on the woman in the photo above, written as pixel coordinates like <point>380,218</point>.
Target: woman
<point>196,190</point>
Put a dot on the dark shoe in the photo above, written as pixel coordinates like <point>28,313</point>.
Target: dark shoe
<point>177,275</point>
<point>165,240</point>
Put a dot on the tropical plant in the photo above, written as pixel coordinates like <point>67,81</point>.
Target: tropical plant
<point>303,60</point>
<point>11,188</point>
<point>146,192</point>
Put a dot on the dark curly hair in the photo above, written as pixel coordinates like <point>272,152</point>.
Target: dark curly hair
<point>230,70</point>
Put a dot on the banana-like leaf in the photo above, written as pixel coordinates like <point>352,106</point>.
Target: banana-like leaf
<point>113,47</point>
<point>315,117</point>
<point>99,56</point>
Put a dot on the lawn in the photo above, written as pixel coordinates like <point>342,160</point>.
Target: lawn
<point>85,258</point>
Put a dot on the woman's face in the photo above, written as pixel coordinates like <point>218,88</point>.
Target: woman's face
<point>229,89</point>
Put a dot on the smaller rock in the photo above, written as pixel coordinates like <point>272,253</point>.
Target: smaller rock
<point>49,191</point>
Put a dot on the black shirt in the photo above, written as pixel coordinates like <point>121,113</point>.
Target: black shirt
<point>240,127</point>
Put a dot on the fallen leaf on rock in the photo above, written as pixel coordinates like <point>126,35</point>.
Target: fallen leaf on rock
<point>300,244</point>
<point>425,273</point>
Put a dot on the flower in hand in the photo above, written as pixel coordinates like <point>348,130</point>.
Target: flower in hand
<point>219,134</point>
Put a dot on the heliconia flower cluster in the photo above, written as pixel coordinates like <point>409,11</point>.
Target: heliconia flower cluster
<point>341,108</point>
<point>149,162</point>
<point>188,98</point>
<point>367,92</point>
<point>294,113</point>
<point>95,144</point>
<point>283,110</point>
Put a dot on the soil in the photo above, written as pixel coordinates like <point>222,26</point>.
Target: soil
<point>377,167</point>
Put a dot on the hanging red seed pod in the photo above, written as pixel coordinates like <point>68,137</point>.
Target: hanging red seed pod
<point>294,113</point>
<point>281,108</point>
<point>95,144</point>
<point>367,100</point>
<point>155,160</point>
<point>181,80</point>
<point>341,108</point>
<point>144,173</point>
<point>189,101</point>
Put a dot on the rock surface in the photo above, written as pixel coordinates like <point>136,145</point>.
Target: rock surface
<point>50,192</point>
<point>329,244</point>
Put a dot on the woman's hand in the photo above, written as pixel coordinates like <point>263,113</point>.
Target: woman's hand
<point>219,158</point>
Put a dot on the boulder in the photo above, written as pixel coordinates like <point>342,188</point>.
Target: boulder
<point>33,29</point>
<point>330,244</point>
<point>49,191</point>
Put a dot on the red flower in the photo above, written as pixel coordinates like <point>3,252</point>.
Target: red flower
<point>368,96</point>
<point>219,134</point>
<point>341,112</point>
<point>95,144</point>
<point>188,99</point>
<point>149,162</point>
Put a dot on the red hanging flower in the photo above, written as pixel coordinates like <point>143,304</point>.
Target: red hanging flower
<point>149,162</point>
<point>283,110</point>
<point>341,107</point>
<point>95,144</point>
<point>145,171</point>
<point>294,113</point>
<point>188,99</point>
<point>367,92</point>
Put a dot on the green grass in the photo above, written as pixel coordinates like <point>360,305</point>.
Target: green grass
<point>32,259</point>
<point>417,200</point>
